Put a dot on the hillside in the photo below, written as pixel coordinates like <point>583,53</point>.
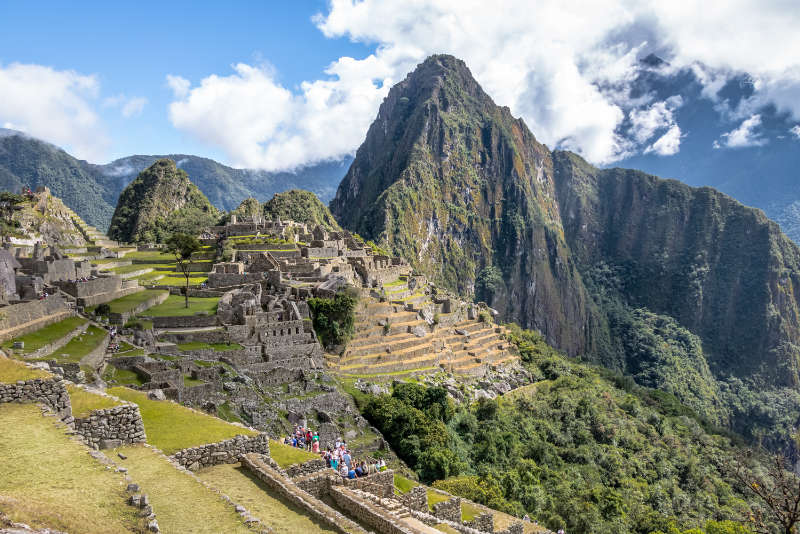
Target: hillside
<point>301,206</point>
<point>620,267</point>
<point>41,216</point>
<point>159,202</point>
<point>92,190</point>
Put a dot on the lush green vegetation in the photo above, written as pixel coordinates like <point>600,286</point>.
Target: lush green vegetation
<point>160,202</point>
<point>172,427</point>
<point>581,448</point>
<point>44,336</point>
<point>11,371</point>
<point>301,206</point>
<point>199,345</point>
<point>175,306</point>
<point>121,377</point>
<point>334,319</point>
<point>48,481</point>
<point>403,484</point>
<point>79,346</point>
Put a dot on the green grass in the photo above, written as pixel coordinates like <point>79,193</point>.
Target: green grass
<point>180,281</point>
<point>434,497</point>
<point>48,481</point>
<point>445,528</point>
<point>396,283</point>
<point>155,257</point>
<point>79,346</point>
<point>172,427</point>
<point>199,345</point>
<point>11,371</point>
<point>393,373</point>
<point>125,269</point>
<point>469,511</point>
<point>128,303</point>
<point>182,503</point>
<point>403,484</point>
<point>44,336</point>
<point>224,411</point>
<point>286,455</point>
<point>174,306</point>
<point>121,377</point>
<point>84,402</point>
<point>277,514</point>
<point>188,381</point>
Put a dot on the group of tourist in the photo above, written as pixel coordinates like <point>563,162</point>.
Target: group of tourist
<point>337,457</point>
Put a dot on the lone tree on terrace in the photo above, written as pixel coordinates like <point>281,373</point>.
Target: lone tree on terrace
<point>183,246</point>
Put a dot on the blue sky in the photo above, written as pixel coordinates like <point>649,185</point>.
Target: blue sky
<point>279,85</point>
<point>131,47</point>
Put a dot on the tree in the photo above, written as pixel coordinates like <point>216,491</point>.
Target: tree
<point>182,246</point>
<point>9,204</point>
<point>779,489</point>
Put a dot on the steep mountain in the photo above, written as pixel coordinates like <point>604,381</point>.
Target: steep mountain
<point>40,216</point>
<point>159,202</point>
<point>29,162</point>
<point>463,190</point>
<point>92,190</point>
<point>300,206</point>
<point>685,289</point>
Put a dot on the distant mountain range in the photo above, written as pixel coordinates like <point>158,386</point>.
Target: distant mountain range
<point>92,190</point>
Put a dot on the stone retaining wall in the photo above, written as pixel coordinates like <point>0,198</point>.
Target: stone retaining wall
<point>25,317</point>
<point>122,318</point>
<point>367,512</point>
<point>306,468</point>
<point>128,287</point>
<point>50,391</point>
<point>449,510</point>
<point>380,484</point>
<point>191,321</point>
<point>291,492</point>
<point>222,452</point>
<point>55,345</point>
<point>484,522</point>
<point>416,499</point>
<point>112,427</point>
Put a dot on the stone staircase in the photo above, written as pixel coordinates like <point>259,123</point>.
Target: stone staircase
<point>392,338</point>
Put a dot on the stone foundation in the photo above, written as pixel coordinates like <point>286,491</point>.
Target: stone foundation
<point>50,391</point>
<point>367,512</point>
<point>449,510</point>
<point>112,427</point>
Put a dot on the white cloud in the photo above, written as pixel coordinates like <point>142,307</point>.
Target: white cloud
<point>565,66</point>
<point>743,136</point>
<point>128,106</point>
<point>795,131</point>
<point>179,85</point>
<point>668,144</point>
<point>53,105</point>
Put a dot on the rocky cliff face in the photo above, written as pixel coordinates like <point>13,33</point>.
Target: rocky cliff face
<point>723,270</point>
<point>159,202</point>
<point>463,190</point>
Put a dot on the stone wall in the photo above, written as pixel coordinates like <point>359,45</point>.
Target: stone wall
<point>288,490</point>
<point>484,522</point>
<point>306,468</point>
<point>97,286</point>
<point>367,512</point>
<point>190,321</point>
<point>55,345</point>
<point>416,499</point>
<point>112,427</point>
<point>230,280</point>
<point>25,317</point>
<point>128,287</point>
<point>449,510</point>
<point>380,484</point>
<point>222,452</point>
<point>50,391</point>
<point>122,318</point>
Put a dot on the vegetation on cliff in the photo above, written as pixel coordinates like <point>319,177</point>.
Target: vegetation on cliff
<point>161,201</point>
<point>334,318</point>
<point>300,206</point>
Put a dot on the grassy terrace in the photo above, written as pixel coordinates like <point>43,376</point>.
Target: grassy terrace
<point>150,257</point>
<point>403,484</point>
<point>84,402</point>
<point>11,371</point>
<point>125,269</point>
<point>175,306</point>
<point>48,480</point>
<point>199,345</point>
<point>286,455</point>
<point>279,515</point>
<point>171,280</point>
<point>121,377</point>
<point>172,427</point>
<point>128,303</point>
<point>44,336</point>
<point>79,346</point>
<point>183,504</point>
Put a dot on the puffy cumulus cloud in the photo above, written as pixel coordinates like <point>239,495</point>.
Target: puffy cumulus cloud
<point>795,131</point>
<point>128,106</point>
<point>745,135</point>
<point>668,144</point>
<point>565,66</point>
<point>261,124</point>
<point>55,105</point>
<point>179,85</point>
